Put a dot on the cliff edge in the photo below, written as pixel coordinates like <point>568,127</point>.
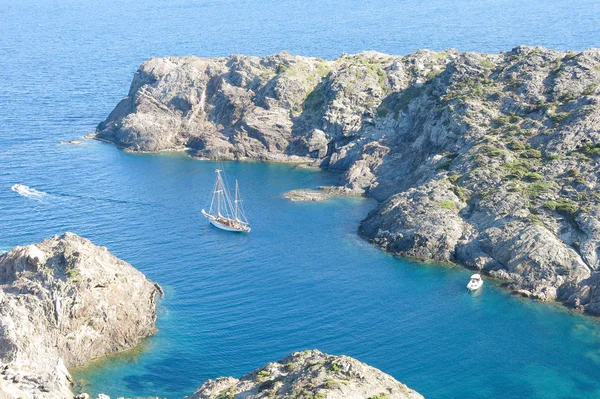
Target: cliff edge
<point>64,302</point>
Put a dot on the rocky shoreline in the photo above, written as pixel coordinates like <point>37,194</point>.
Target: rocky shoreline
<point>486,160</point>
<point>63,302</point>
<point>309,374</point>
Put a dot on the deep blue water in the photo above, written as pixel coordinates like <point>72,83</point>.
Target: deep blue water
<point>302,278</point>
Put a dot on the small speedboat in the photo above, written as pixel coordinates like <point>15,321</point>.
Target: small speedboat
<point>475,283</point>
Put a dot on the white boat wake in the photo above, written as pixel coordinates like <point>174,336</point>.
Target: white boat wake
<point>28,192</point>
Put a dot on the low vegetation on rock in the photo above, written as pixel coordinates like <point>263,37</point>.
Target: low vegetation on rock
<point>309,375</point>
<point>63,302</point>
<point>487,160</point>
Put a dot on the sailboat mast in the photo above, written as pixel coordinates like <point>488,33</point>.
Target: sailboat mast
<point>236,200</point>
<point>218,192</point>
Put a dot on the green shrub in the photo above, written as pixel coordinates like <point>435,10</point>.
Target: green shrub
<point>487,64</point>
<point>73,273</point>
<point>535,219</point>
<point>334,367</point>
<point>330,383</point>
<point>453,178</point>
<point>552,157</point>
<point>501,120</point>
<point>229,394</point>
<point>448,204</point>
<point>540,187</point>
<point>591,150</point>
<point>262,374</point>
<point>515,170</point>
<point>514,118</point>
<point>516,145</point>
<point>563,206</point>
<point>532,154</point>
<point>461,193</point>
<point>534,176</point>
<point>590,90</point>
<point>559,117</point>
<point>492,151</point>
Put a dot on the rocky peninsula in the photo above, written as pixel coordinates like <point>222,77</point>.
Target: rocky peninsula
<point>63,302</point>
<point>487,160</point>
<point>309,375</point>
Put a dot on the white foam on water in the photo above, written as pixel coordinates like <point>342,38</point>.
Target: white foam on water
<point>28,192</point>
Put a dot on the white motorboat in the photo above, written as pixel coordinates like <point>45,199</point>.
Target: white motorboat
<point>475,283</point>
<point>223,213</point>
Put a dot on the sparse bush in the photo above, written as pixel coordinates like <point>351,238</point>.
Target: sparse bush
<point>453,178</point>
<point>492,151</point>
<point>461,193</point>
<point>590,90</point>
<point>516,145</point>
<point>552,157</point>
<point>538,188</point>
<point>73,273</point>
<point>532,154</point>
<point>534,176</point>
<point>559,117</point>
<point>563,206</point>
<point>448,204</point>
<point>262,374</point>
<point>487,64</point>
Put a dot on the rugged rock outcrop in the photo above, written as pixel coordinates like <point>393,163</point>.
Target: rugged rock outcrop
<point>64,302</point>
<point>309,374</point>
<point>488,160</point>
<point>303,195</point>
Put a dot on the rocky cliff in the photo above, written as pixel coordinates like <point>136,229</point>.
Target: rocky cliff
<point>309,375</point>
<point>63,302</point>
<point>488,160</point>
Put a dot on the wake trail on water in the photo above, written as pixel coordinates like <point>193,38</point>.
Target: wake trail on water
<point>32,193</point>
<point>28,192</point>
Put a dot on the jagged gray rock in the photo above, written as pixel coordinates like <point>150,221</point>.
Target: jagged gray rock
<point>64,302</point>
<point>488,160</point>
<point>309,374</point>
<point>303,195</point>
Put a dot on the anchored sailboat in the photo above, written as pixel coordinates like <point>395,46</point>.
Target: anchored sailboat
<point>224,214</point>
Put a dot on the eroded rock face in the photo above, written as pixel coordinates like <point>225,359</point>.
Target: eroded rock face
<point>64,302</point>
<point>489,160</point>
<point>309,374</point>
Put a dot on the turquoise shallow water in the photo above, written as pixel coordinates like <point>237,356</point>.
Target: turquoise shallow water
<point>302,278</point>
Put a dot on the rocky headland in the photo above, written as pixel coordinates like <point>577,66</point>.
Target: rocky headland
<point>487,160</point>
<point>63,302</point>
<point>309,375</point>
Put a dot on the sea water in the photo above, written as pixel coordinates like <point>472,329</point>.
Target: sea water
<point>303,278</point>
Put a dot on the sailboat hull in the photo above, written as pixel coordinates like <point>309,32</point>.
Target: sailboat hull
<point>213,220</point>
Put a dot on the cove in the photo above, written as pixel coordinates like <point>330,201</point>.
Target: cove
<point>301,279</point>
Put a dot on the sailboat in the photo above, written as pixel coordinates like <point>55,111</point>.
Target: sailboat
<point>224,214</point>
